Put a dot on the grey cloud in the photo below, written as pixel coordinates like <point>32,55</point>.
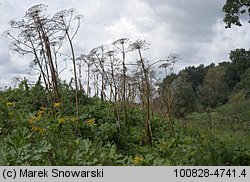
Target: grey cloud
<point>4,54</point>
<point>189,20</point>
<point>186,26</point>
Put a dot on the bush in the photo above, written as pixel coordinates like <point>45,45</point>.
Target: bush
<point>21,148</point>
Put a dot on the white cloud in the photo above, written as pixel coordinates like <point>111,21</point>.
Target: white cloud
<point>224,40</point>
<point>122,28</point>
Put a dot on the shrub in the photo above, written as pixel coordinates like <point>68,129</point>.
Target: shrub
<point>21,148</point>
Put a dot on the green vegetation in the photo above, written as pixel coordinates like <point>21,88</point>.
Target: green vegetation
<point>199,116</point>
<point>33,133</point>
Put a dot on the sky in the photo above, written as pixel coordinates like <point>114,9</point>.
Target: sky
<point>194,29</point>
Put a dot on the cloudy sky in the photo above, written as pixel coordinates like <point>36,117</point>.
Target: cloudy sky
<point>192,28</point>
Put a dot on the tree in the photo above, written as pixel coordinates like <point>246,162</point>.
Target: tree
<point>231,77</point>
<point>233,10</point>
<point>185,97</point>
<point>214,90</point>
<point>244,85</point>
<point>195,75</point>
<point>176,98</point>
<point>240,60</point>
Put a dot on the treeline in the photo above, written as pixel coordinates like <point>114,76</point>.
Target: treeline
<point>206,87</point>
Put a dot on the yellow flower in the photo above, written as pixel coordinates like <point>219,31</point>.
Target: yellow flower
<point>57,105</point>
<point>40,113</point>
<point>32,120</point>
<point>137,160</point>
<point>42,109</point>
<point>61,120</point>
<point>91,121</point>
<point>10,104</point>
<point>74,120</point>
<point>38,129</point>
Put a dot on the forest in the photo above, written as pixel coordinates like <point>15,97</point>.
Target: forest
<point>123,115</point>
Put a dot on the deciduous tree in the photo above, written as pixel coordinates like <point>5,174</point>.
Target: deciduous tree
<point>214,90</point>
<point>233,10</point>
